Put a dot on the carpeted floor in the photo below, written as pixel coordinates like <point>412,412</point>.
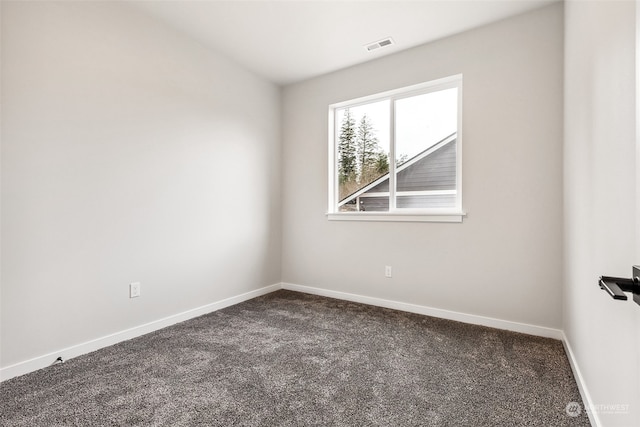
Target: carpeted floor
<point>291,359</point>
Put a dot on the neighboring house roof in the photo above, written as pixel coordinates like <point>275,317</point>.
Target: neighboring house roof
<point>419,173</point>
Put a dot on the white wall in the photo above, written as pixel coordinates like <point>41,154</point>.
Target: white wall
<point>129,153</point>
<point>505,259</point>
<point>601,215</point>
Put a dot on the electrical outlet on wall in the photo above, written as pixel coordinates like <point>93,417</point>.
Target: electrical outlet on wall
<point>134,290</point>
<point>387,271</point>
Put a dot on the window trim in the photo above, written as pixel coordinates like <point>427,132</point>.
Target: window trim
<point>404,214</point>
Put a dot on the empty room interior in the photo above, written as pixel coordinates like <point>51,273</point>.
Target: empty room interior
<point>341,213</point>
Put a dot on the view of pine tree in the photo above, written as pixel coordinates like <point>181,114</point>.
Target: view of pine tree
<point>367,149</point>
<point>382,163</point>
<point>360,158</point>
<point>347,149</point>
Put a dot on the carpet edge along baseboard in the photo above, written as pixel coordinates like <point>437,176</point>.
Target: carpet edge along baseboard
<point>76,350</point>
<point>70,352</point>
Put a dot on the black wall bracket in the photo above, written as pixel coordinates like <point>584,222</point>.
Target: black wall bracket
<point>617,286</point>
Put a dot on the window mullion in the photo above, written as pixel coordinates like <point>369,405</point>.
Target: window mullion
<point>392,155</point>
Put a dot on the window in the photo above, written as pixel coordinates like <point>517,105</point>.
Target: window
<point>396,155</point>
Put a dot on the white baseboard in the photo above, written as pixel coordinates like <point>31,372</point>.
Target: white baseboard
<point>430,311</point>
<point>582,385</point>
<point>45,360</point>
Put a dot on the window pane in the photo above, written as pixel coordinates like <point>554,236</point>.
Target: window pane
<point>374,204</point>
<point>426,127</point>
<point>362,135</point>
<point>432,201</point>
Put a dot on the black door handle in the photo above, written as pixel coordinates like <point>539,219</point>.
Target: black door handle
<point>617,286</point>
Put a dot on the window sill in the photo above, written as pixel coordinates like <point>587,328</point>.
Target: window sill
<point>397,217</point>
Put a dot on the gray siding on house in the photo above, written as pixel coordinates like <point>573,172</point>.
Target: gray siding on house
<point>421,202</point>
<point>381,204</point>
<point>383,187</point>
<point>437,171</point>
<point>374,204</point>
<point>433,172</point>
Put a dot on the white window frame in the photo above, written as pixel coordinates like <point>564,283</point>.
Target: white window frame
<point>455,214</point>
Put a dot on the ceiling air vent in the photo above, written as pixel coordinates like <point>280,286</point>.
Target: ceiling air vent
<point>379,44</point>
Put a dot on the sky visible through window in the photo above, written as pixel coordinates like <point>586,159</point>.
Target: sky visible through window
<point>424,120</point>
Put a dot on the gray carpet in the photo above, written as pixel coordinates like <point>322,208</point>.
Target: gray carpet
<point>291,359</point>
